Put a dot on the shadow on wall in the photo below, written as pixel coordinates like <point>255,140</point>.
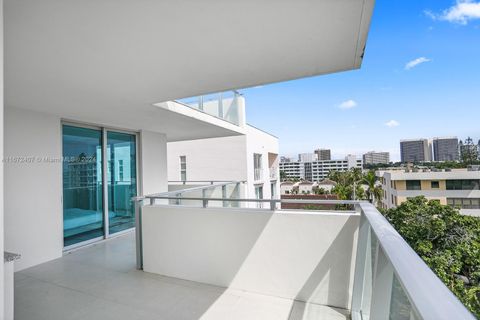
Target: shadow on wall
<point>300,256</point>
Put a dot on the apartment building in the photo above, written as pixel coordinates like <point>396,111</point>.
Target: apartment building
<point>416,150</point>
<point>446,149</point>
<point>293,169</point>
<point>318,170</point>
<point>373,157</point>
<point>458,188</point>
<point>307,157</point>
<point>251,158</point>
<point>323,154</point>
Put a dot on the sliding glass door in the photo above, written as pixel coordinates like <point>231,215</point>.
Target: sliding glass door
<point>93,209</point>
<point>82,185</point>
<point>122,180</point>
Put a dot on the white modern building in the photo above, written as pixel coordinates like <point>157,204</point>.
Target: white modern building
<point>318,170</point>
<point>373,157</point>
<point>458,188</point>
<point>251,158</point>
<point>293,170</point>
<point>89,108</point>
<point>307,157</point>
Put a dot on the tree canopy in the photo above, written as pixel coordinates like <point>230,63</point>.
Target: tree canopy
<point>447,241</point>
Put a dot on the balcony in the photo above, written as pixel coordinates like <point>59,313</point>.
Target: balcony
<point>240,262</point>
<point>228,106</point>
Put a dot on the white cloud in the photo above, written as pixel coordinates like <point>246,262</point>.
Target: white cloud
<point>462,12</point>
<point>392,123</point>
<point>349,104</point>
<point>412,64</point>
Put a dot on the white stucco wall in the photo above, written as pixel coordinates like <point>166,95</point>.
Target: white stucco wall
<point>2,181</point>
<point>263,143</point>
<point>33,197</point>
<point>220,159</point>
<point>296,255</point>
<point>153,166</point>
<point>33,193</point>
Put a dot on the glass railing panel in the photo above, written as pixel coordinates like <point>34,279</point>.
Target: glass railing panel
<point>369,275</point>
<point>224,105</point>
<point>400,306</point>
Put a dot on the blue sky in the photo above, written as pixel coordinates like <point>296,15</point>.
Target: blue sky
<point>437,94</point>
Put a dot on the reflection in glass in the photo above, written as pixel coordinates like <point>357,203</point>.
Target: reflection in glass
<point>82,187</point>
<point>122,180</point>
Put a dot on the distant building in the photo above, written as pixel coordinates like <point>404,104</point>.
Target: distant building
<point>323,154</point>
<point>285,159</point>
<point>458,188</point>
<point>416,150</point>
<point>445,149</point>
<point>373,157</point>
<point>318,170</point>
<point>293,169</point>
<point>307,157</point>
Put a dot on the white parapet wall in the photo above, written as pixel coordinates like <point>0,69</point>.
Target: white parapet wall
<point>299,255</point>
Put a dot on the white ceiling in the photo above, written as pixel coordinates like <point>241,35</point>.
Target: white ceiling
<point>108,61</point>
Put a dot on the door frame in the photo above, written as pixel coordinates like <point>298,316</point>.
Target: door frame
<point>104,130</point>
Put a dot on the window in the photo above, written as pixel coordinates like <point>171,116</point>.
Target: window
<point>435,184</point>
<point>257,166</point>
<point>120,170</point>
<point>464,203</point>
<point>183,168</point>
<point>272,190</point>
<point>414,185</point>
<point>463,184</point>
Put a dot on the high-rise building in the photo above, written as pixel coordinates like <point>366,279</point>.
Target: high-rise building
<point>323,154</point>
<point>307,157</point>
<point>416,150</point>
<point>445,149</point>
<point>373,157</point>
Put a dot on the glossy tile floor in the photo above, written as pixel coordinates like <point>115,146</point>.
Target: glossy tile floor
<point>100,282</point>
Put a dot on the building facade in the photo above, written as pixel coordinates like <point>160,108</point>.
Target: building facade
<point>376,158</point>
<point>458,188</point>
<point>318,170</point>
<point>446,149</point>
<point>416,150</point>
<point>323,154</point>
<point>251,158</point>
<point>307,157</point>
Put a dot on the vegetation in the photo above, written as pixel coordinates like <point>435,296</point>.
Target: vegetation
<point>469,152</point>
<point>447,241</point>
<point>355,185</point>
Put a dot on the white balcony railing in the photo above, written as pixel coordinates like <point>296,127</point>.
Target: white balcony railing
<point>390,279</point>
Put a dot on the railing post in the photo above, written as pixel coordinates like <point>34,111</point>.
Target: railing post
<point>177,201</point>
<point>138,234</point>
<point>359,273</point>
<point>224,196</point>
<point>220,106</point>
<point>272,205</point>
<point>200,103</point>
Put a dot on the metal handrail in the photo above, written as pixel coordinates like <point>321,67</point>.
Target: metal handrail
<point>429,296</point>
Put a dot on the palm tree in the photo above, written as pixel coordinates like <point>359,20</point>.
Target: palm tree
<point>374,191</point>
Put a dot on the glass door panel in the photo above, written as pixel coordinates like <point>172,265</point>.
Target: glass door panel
<point>82,185</point>
<point>121,180</point>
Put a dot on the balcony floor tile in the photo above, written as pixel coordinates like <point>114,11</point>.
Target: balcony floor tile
<point>100,282</point>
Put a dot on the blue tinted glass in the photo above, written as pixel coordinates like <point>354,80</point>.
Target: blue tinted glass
<point>82,184</point>
<point>122,180</point>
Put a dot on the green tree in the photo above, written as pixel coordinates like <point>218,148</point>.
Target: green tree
<point>374,192</point>
<point>469,151</point>
<point>447,241</point>
<point>348,184</point>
